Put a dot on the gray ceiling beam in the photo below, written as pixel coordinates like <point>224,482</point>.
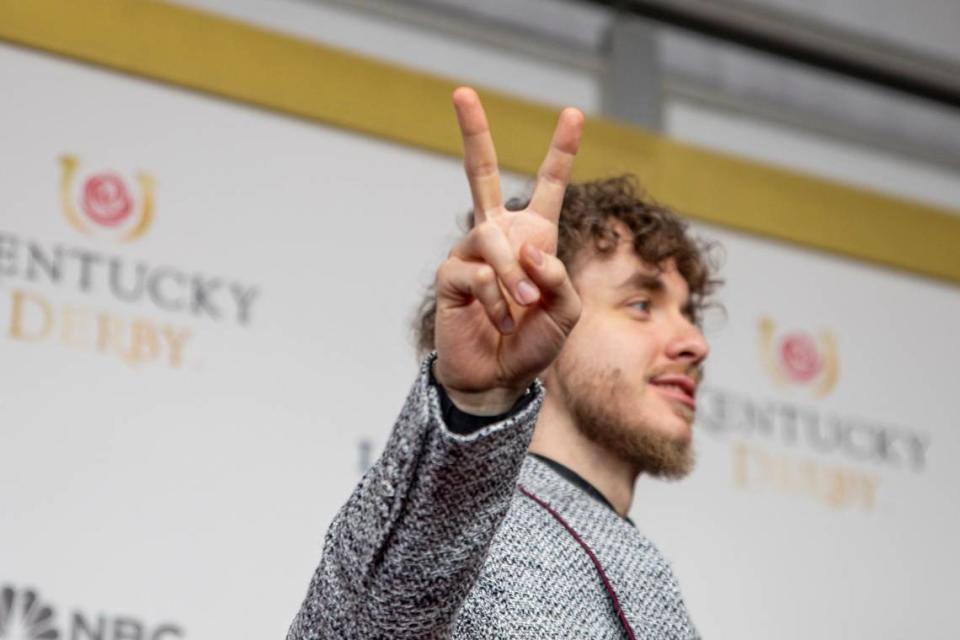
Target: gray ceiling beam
<point>808,42</point>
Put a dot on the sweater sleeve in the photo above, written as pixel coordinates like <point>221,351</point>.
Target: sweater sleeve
<point>403,553</point>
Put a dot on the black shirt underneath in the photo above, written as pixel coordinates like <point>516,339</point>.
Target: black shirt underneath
<point>463,423</point>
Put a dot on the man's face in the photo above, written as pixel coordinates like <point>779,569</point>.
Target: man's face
<point>627,374</point>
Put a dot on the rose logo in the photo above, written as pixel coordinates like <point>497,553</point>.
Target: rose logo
<point>24,617</point>
<point>106,200</point>
<point>105,203</point>
<point>800,358</point>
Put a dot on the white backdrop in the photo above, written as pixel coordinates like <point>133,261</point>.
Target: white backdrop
<point>167,473</point>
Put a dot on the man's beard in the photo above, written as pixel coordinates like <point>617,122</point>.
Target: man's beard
<point>592,396</point>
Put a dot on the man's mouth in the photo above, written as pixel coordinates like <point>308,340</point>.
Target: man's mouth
<point>677,387</point>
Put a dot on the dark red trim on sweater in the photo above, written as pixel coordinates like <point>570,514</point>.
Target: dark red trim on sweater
<point>593,558</point>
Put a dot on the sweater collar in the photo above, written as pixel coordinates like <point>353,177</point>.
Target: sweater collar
<point>578,481</point>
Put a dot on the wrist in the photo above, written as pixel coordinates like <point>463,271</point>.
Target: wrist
<point>492,402</point>
<point>488,402</point>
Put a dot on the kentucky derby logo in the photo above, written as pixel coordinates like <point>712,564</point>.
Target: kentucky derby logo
<point>798,358</point>
<point>105,202</point>
<point>24,617</point>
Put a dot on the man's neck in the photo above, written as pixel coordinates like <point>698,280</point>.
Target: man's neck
<point>558,438</point>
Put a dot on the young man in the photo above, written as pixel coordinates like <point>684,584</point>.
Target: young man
<point>496,510</point>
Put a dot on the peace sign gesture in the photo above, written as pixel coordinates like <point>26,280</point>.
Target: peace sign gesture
<point>505,303</point>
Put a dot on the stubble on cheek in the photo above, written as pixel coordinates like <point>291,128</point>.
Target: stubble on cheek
<point>600,401</point>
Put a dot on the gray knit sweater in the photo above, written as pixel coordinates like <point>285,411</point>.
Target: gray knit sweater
<point>437,541</point>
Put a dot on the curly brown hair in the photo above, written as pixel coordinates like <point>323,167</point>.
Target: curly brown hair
<point>586,218</point>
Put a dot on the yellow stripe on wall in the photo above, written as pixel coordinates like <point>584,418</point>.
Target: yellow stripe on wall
<point>230,59</point>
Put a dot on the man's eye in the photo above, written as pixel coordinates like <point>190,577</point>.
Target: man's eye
<point>641,305</point>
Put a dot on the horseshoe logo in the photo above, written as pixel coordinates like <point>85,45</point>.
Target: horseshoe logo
<point>105,202</point>
<point>799,358</point>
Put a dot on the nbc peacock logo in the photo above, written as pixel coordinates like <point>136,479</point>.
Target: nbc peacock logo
<point>23,616</point>
<point>799,358</point>
<point>106,202</point>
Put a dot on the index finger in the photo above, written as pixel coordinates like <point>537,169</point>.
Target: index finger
<point>554,173</point>
<point>479,155</point>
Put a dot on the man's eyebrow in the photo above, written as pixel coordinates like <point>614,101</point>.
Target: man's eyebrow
<point>643,280</point>
<point>646,281</point>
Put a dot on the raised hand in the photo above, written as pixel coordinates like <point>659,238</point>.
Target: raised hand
<point>505,303</point>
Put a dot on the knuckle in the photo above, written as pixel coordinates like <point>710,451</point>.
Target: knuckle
<point>481,168</point>
<point>550,177</point>
<point>554,272</point>
<point>485,233</point>
<point>485,275</point>
<point>445,270</point>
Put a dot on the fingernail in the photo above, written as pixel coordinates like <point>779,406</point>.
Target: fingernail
<point>535,256</point>
<point>506,324</point>
<point>527,293</point>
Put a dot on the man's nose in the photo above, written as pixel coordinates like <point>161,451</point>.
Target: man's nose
<point>687,342</point>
